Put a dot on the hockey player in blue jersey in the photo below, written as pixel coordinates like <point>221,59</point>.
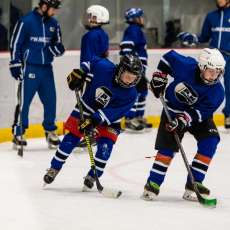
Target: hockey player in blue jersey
<point>192,97</point>
<point>106,98</point>
<point>35,42</point>
<point>134,42</point>
<point>95,43</point>
<point>216,31</point>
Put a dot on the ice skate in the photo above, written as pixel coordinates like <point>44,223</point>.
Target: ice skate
<point>52,139</point>
<point>151,191</point>
<point>148,126</point>
<point>134,126</point>
<point>88,183</point>
<point>189,193</point>
<point>50,176</point>
<point>18,141</point>
<point>227,124</point>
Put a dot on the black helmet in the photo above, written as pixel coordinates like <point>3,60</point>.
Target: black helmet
<point>51,3</point>
<point>132,64</point>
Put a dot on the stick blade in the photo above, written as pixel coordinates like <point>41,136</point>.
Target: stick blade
<point>111,193</point>
<point>208,202</point>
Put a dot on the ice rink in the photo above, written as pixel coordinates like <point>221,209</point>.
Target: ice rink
<point>25,205</point>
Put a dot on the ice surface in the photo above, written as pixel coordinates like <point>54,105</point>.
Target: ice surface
<point>25,205</point>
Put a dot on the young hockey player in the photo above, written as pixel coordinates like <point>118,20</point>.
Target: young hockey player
<point>107,97</point>
<point>134,42</point>
<point>192,98</point>
<point>35,42</point>
<point>216,31</point>
<point>94,43</point>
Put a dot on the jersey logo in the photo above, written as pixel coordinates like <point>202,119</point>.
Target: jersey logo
<point>186,94</point>
<point>52,29</point>
<point>102,97</point>
<point>32,76</point>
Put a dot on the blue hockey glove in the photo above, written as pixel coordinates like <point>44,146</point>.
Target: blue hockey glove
<point>187,39</point>
<point>158,83</point>
<point>57,50</point>
<point>179,123</point>
<point>16,70</point>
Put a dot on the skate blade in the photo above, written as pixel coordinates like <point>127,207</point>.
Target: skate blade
<point>148,197</point>
<point>51,146</point>
<point>134,131</point>
<point>190,196</point>
<point>86,189</point>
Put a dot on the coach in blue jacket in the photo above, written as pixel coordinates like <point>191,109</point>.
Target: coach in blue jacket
<point>216,31</point>
<point>35,41</point>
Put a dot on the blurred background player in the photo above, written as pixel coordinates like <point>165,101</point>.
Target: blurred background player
<point>114,93</point>
<point>192,98</point>
<point>216,31</point>
<point>95,42</point>
<point>134,42</point>
<point>36,40</point>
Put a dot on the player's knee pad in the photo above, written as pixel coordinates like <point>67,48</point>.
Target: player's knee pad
<point>207,146</point>
<point>104,148</point>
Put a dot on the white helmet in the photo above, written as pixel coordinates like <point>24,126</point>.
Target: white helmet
<point>212,59</point>
<point>99,14</point>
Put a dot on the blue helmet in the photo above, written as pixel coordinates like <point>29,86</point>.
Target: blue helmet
<point>132,13</point>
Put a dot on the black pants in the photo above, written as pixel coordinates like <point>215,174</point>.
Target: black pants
<point>166,140</point>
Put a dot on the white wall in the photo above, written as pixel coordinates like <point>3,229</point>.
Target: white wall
<point>65,97</point>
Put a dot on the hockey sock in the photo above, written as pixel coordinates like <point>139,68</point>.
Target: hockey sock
<point>67,145</point>
<point>160,166</point>
<point>140,105</point>
<point>104,149</point>
<point>206,150</point>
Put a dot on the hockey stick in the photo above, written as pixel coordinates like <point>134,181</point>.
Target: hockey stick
<point>104,191</point>
<point>202,200</point>
<point>20,150</point>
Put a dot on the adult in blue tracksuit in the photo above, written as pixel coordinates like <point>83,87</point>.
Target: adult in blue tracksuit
<point>95,42</point>
<point>134,42</point>
<point>216,31</point>
<point>36,40</point>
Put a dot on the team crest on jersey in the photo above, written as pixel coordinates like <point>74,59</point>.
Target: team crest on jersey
<point>52,29</point>
<point>102,97</point>
<point>185,93</point>
<point>31,76</point>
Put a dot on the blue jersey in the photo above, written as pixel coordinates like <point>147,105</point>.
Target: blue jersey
<point>103,99</point>
<point>134,42</point>
<point>216,29</point>
<point>94,43</point>
<point>32,37</point>
<point>187,93</point>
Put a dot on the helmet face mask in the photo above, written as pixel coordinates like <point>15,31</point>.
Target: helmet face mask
<point>212,64</point>
<point>129,71</point>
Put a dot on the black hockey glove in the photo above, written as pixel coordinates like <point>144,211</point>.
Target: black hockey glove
<point>158,83</point>
<point>16,70</point>
<point>178,124</point>
<point>87,125</point>
<point>76,79</point>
